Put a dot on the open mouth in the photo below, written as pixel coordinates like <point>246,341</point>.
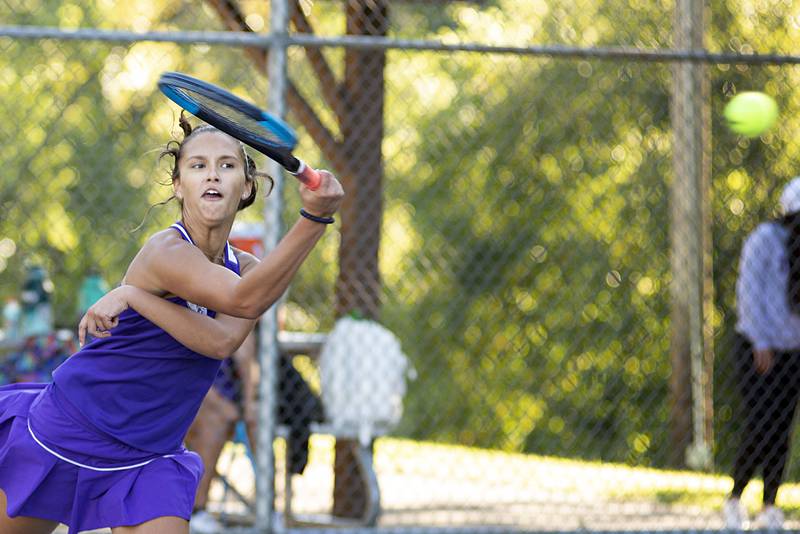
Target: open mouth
<point>212,194</point>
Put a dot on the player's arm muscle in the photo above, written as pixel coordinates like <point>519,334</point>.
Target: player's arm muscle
<point>167,264</point>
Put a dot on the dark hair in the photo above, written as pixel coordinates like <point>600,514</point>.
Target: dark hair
<point>251,172</point>
<point>792,223</point>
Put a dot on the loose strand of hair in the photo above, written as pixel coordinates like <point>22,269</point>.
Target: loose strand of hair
<point>147,213</point>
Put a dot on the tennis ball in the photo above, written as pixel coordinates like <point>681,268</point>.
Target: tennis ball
<point>751,113</point>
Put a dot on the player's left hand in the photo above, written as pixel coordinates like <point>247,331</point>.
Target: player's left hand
<point>103,315</point>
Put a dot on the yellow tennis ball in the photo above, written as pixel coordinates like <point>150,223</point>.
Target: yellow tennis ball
<point>751,113</point>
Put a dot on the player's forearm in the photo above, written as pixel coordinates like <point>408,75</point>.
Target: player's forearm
<point>195,331</point>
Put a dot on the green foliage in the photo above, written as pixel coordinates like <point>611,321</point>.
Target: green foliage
<point>538,190</point>
<point>542,206</point>
<point>85,125</point>
<point>525,254</point>
<point>552,302</point>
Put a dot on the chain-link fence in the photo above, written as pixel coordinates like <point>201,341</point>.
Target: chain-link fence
<point>545,212</point>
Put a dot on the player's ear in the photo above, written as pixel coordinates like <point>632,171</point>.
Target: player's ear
<point>176,188</point>
<point>247,190</point>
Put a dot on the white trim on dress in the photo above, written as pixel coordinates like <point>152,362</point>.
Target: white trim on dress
<point>182,230</point>
<point>78,464</point>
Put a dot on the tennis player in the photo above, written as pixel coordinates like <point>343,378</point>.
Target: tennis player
<point>101,446</point>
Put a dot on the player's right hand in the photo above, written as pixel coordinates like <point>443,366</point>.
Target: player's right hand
<point>103,315</point>
<point>326,199</point>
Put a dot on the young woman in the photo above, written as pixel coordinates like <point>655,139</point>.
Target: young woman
<point>101,446</point>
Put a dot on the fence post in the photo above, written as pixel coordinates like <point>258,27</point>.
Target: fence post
<point>690,234</point>
<point>273,229</point>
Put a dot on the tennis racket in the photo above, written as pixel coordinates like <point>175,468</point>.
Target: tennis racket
<point>240,119</point>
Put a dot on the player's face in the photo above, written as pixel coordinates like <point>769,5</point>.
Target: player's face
<point>212,176</point>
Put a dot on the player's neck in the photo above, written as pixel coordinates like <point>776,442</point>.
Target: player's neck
<point>210,239</point>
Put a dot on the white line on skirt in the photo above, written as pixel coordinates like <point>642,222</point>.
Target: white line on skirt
<point>73,462</point>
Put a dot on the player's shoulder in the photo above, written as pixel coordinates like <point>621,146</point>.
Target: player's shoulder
<point>164,239</point>
<point>164,253</point>
<point>167,248</point>
<point>246,260</point>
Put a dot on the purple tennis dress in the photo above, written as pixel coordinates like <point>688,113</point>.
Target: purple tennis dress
<point>102,445</point>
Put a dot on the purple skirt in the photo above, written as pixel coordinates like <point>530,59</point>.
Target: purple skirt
<point>54,465</point>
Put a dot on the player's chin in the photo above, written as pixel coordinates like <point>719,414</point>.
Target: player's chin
<point>218,209</point>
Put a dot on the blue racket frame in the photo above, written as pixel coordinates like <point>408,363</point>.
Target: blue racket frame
<point>281,140</point>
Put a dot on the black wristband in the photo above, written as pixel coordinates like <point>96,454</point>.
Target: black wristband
<point>321,220</point>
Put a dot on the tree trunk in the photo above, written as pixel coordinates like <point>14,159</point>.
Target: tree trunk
<point>358,286</point>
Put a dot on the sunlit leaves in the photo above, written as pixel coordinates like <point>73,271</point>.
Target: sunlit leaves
<point>84,122</point>
<point>525,257</point>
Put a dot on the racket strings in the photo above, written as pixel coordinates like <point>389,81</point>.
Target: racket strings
<point>235,118</point>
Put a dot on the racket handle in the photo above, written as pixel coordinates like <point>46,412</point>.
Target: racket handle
<point>308,176</point>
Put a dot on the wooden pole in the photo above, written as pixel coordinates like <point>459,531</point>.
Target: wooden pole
<point>690,233</point>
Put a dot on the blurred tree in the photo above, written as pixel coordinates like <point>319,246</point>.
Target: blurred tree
<point>81,140</point>
<point>543,205</point>
<point>525,263</point>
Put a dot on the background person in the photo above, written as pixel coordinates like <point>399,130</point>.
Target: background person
<point>767,356</point>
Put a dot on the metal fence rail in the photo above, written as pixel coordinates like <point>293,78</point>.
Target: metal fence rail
<point>372,42</point>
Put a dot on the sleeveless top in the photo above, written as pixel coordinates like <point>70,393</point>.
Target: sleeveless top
<point>140,385</point>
